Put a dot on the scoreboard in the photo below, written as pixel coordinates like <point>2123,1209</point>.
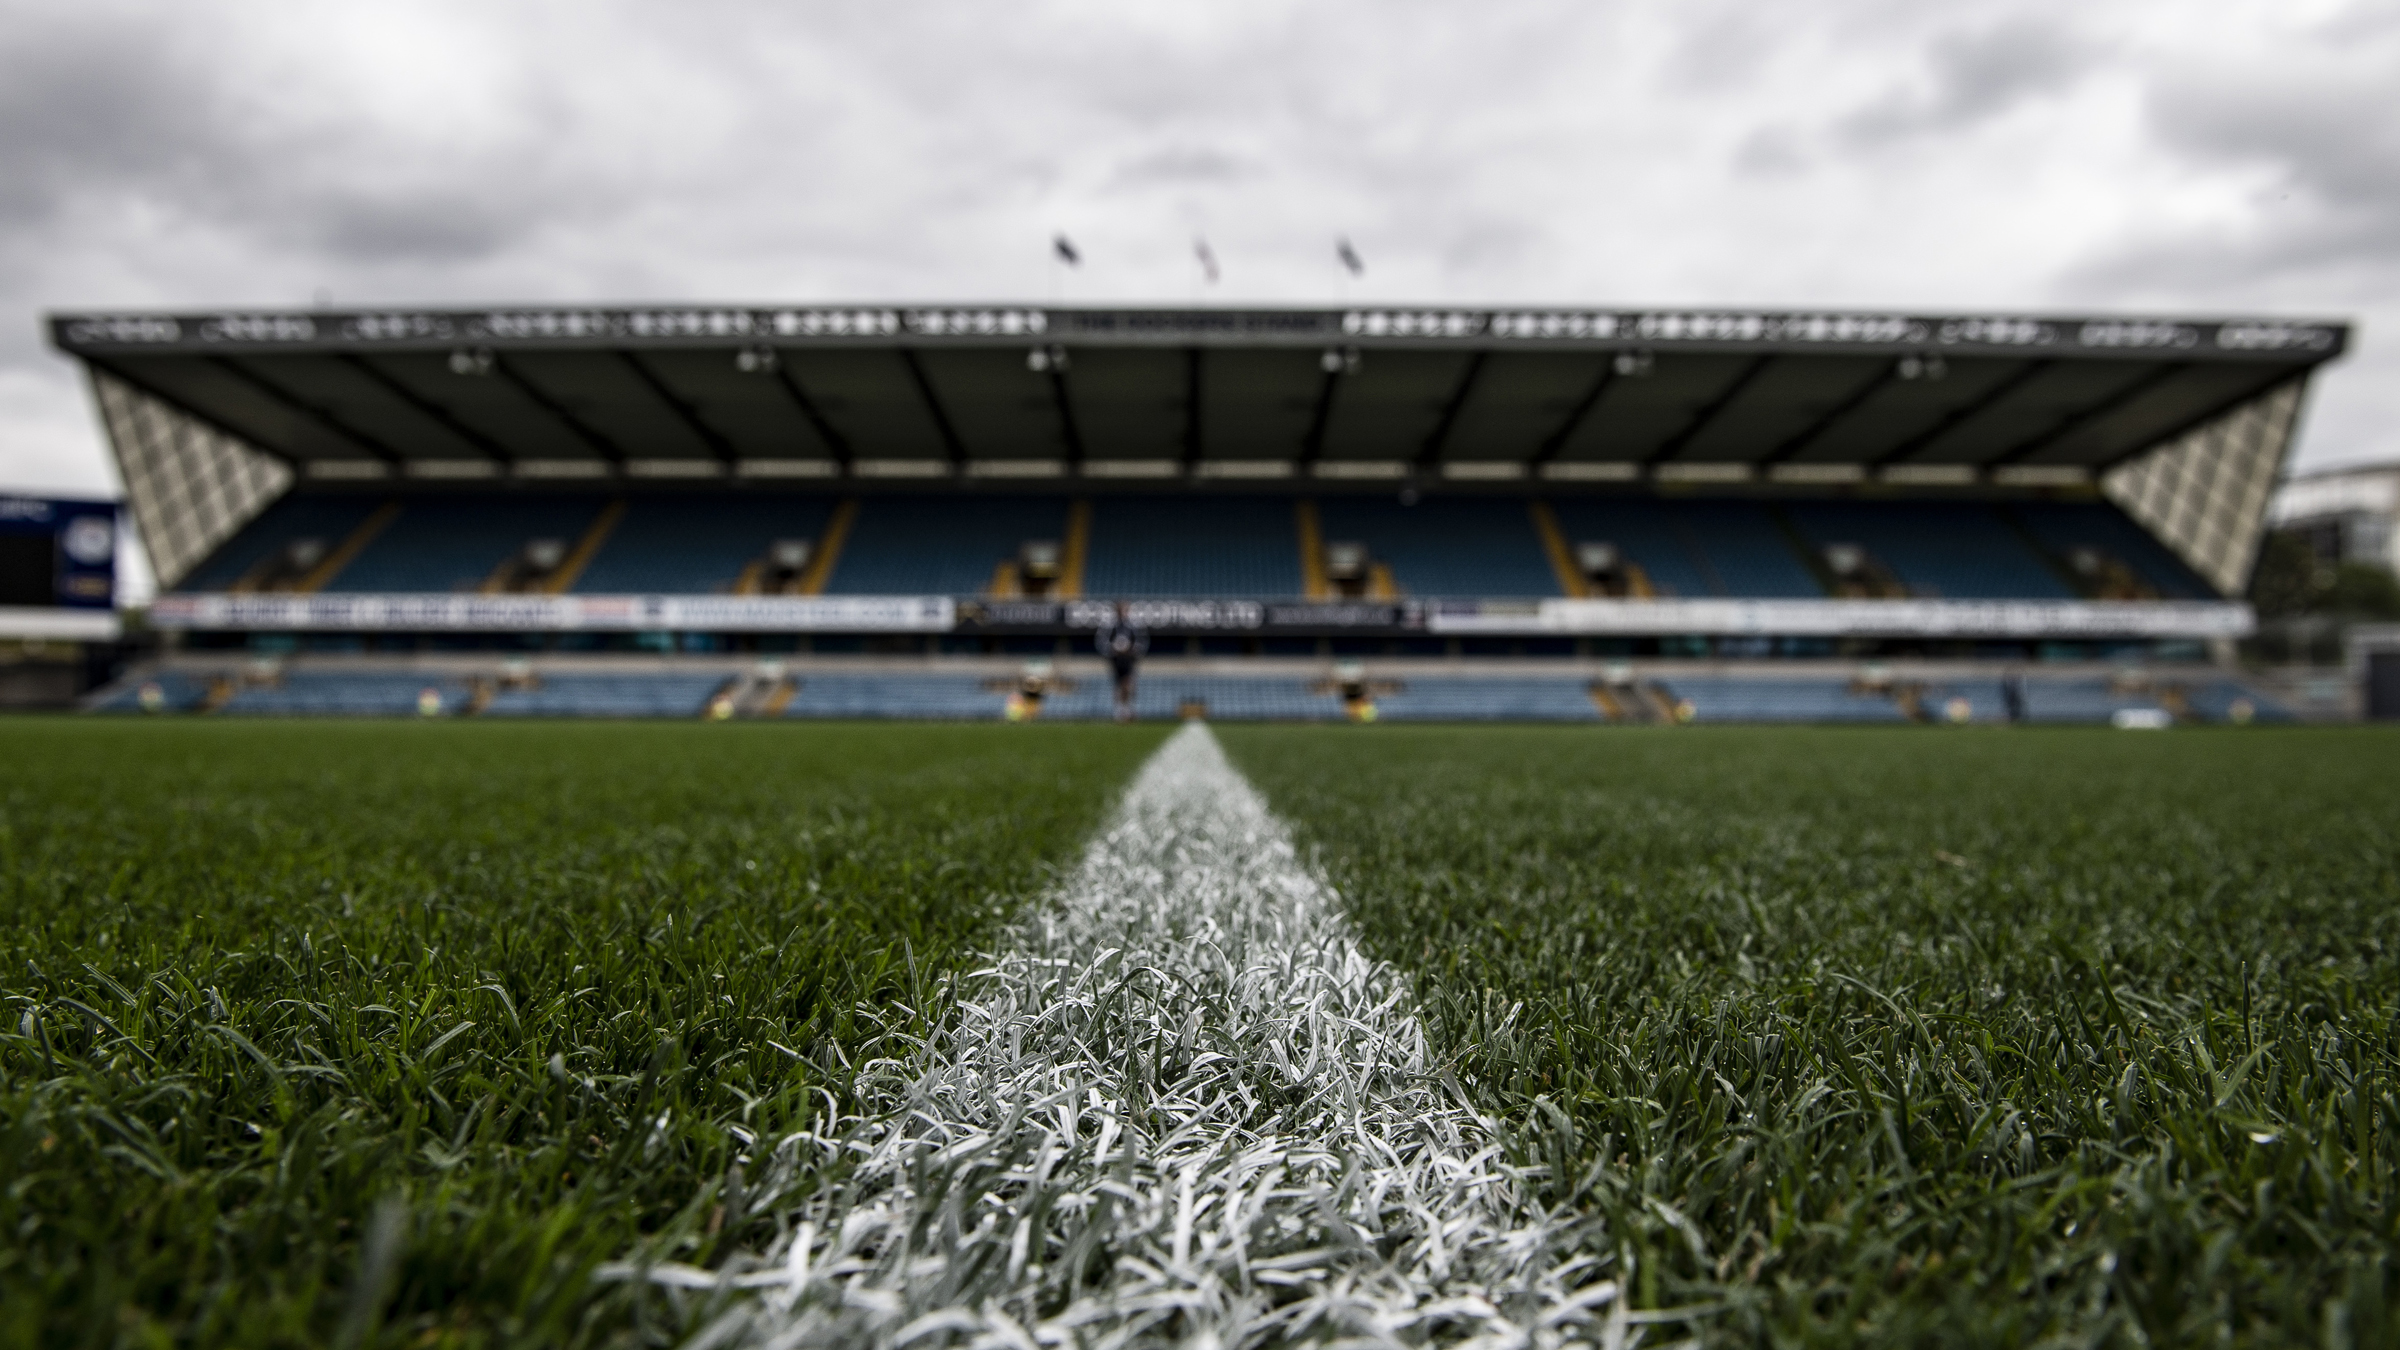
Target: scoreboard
<point>58,568</point>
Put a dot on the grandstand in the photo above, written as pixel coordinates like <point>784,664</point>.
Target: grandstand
<point>872,511</point>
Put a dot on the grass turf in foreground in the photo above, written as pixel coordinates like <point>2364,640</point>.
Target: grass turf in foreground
<point>1910,1037</point>
<point>389,1033</point>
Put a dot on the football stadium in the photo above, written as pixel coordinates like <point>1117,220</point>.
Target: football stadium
<point>1636,828</point>
<point>1414,514</point>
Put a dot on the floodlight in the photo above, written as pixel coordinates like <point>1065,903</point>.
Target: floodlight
<point>1043,359</point>
<point>1922,368</point>
<point>1634,364</point>
<point>754,360</point>
<point>471,361</point>
<point>1845,559</point>
<point>1340,361</point>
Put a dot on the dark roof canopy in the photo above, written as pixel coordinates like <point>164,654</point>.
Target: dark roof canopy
<point>878,389</point>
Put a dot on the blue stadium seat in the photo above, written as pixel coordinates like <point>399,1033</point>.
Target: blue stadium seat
<point>1155,547</point>
<point>1939,550</point>
<point>940,545</point>
<point>301,515</point>
<point>1446,546</point>
<point>1739,699</point>
<point>1646,533</point>
<point>2067,526</point>
<point>444,544</point>
<point>346,694</point>
<point>644,695</point>
<point>1487,698</point>
<point>949,697</point>
<point>697,545</point>
<point>1741,544</point>
<point>178,692</point>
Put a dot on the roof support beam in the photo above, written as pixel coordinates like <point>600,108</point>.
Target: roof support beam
<point>683,408</point>
<point>1313,444</point>
<point>834,439</point>
<point>448,420</point>
<point>933,408</point>
<point>2192,424</point>
<point>2077,421</point>
<point>213,423</point>
<point>1857,398</point>
<point>322,417</point>
<point>576,426</point>
<point>1973,407</point>
<point>1191,409</point>
<point>1709,412</point>
<point>1430,454</point>
<point>1066,416</point>
<point>1567,427</point>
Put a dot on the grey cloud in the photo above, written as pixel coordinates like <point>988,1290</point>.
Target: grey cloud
<point>87,106</point>
<point>1178,165</point>
<point>1974,76</point>
<point>2320,138</point>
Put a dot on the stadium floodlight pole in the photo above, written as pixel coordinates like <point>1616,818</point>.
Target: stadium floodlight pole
<point>1353,266</point>
<point>1063,255</point>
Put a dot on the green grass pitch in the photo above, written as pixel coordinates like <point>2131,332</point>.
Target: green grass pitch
<point>390,1034</point>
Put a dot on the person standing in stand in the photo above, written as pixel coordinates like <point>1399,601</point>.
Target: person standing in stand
<point>1124,643</point>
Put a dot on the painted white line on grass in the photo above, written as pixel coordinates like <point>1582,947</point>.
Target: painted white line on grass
<point>1182,1108</point>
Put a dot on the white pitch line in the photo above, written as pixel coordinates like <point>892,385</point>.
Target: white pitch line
<point>1183,1108</point>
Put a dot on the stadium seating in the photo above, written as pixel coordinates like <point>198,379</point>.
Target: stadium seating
<point>1446,546</point>
<point>940,545</point>
<point>940,696</point>
<point>2067,526</point>
<point>1164,547</point>
<point>1646,534</point>
<point>177,691</point>
<point>1489,699</point>
<point>697,544</point>
<point>1940,550</point>
<point>455,543</point>
<point>1735,699</point>
<point>1743,546</point>
<point>1695,549</point>
<point>347,694</point>
<point>646,695</point>
<point>322,516</point>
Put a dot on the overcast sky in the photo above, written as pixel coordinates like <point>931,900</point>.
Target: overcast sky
<point>2169,156</point>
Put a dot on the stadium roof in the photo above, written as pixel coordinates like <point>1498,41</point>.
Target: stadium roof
<point>1364,392</point>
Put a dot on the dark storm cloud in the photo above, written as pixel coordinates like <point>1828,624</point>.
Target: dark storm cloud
<point>1971,76</point>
